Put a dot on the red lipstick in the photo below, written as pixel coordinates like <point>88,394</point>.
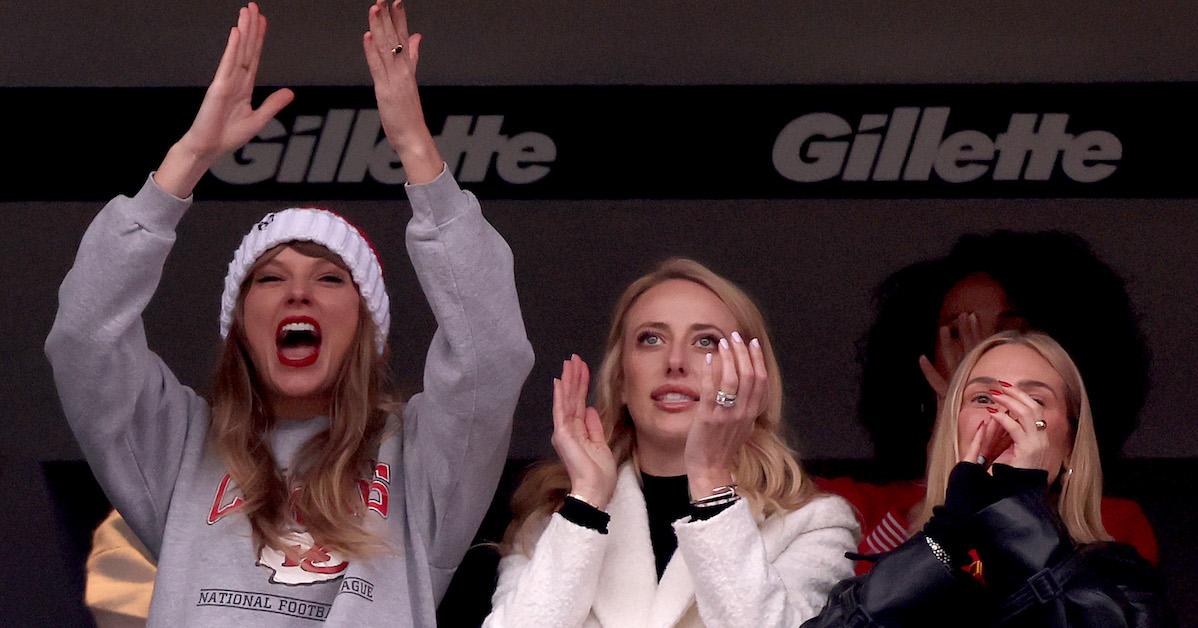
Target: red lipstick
<point>297,341</point>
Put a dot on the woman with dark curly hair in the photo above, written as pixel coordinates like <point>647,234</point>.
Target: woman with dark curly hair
<point>931,313</point>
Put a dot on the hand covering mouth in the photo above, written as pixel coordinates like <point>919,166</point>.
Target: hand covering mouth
<point>297,341</point>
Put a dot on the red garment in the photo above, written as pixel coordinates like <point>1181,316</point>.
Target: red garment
<point>882,512</point>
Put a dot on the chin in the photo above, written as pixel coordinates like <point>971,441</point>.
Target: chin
<point>309,383</point>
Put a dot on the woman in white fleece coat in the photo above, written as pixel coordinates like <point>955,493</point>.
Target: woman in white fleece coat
<point>678,469</point>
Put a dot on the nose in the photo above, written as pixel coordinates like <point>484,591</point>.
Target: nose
<point>299,293</point>
<point>676,360</point>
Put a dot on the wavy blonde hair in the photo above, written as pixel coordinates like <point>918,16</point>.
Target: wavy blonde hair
<point>329,466</point>
<point>767,471</point>
<point>1080,499</point>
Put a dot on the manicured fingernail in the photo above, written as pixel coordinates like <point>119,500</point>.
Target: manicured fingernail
<point>995,392</point>
<point>736,337</point>
<point>724,343</point>
<point>992,410</point>
<point>1004,384</point>
<point>707,356</point>
<point>755,344</point>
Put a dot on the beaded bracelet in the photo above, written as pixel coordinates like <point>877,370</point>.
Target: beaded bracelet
<point>939,552</point>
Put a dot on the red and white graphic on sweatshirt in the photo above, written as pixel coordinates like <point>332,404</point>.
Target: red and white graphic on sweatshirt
<point>308,561</point>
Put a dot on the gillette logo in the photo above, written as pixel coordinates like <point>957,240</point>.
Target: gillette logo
<point>346,145</point>
<point>909,145</point>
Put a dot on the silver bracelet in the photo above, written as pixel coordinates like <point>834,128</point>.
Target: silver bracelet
<point>941,555</point>
<point>719,495</point>
<point>584,500</point>
<point>712,503</point>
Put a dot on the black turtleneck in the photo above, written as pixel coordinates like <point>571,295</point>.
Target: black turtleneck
<point>667,499</point>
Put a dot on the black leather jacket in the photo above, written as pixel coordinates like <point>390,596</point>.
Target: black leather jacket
<point>1034,575</point>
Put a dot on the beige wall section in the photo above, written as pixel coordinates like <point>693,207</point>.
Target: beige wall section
<point>527,42</point>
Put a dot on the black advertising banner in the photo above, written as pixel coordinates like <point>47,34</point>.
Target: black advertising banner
<point>901,141</point>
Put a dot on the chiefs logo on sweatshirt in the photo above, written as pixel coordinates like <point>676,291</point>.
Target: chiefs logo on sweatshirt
<point>307,561</point>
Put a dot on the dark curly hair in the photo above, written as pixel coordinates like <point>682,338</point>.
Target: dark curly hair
<point>1056,283</point>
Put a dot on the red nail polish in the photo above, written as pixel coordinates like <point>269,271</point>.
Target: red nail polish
<point>995,392</point>
<point>992,410</point>
<point>1004,384</point>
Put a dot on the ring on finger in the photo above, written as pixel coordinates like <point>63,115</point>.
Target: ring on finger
<point>397,49</point>
<point>725,399</point>
<point>1040,424</point>
<point>981,460</point>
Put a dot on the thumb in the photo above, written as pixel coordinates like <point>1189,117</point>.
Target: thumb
<point>272,106</point>
<point>413,47</point>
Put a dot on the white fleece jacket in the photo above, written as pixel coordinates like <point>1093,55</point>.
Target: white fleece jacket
<point>729,570</point>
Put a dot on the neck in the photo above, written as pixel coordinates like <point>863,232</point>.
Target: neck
<point>298,408</point>
<point>659,460</point>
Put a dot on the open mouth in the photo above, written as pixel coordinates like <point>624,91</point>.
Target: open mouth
<point>674,398</point>
<point>297,341</point>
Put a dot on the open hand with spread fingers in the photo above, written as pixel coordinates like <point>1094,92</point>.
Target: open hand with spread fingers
<point>392,54</point>
<point>731,398</point>
<point>227,119</point>
<point>578,437</point>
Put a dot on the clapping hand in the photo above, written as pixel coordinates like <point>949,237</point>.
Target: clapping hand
<point>578,436</point>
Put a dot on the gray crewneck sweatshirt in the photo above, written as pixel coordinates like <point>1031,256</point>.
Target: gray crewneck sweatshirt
<point>145,434</point>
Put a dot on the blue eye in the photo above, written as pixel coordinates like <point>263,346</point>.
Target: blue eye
<point>982,399</point>
<point>649,339</point>
<point>706,342</point>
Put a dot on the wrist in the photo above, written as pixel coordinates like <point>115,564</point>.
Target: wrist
<point>181,169</point>
<point>421,160</point>
<point>704,483</point>
<point>591,496</point>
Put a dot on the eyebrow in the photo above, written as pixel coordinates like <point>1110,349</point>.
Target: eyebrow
<point>693,328</point>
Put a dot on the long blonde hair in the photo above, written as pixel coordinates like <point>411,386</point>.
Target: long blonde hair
<point>767,472</point>
<point>329,466</point>
<point>1080,500</point>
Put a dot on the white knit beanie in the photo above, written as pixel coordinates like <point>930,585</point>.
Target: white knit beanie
<point>326,229</point>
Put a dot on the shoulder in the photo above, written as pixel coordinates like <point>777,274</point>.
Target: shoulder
<point>822,512</point>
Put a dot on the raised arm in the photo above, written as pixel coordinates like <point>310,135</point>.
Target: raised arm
<point>456,431</point>
<point>226,119</point>
<point>130,414</point>
<point>743,575</point>
<point>392,54</point>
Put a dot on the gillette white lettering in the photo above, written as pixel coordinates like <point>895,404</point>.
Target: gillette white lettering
<point>909,145</point>
<point>347,145</point>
